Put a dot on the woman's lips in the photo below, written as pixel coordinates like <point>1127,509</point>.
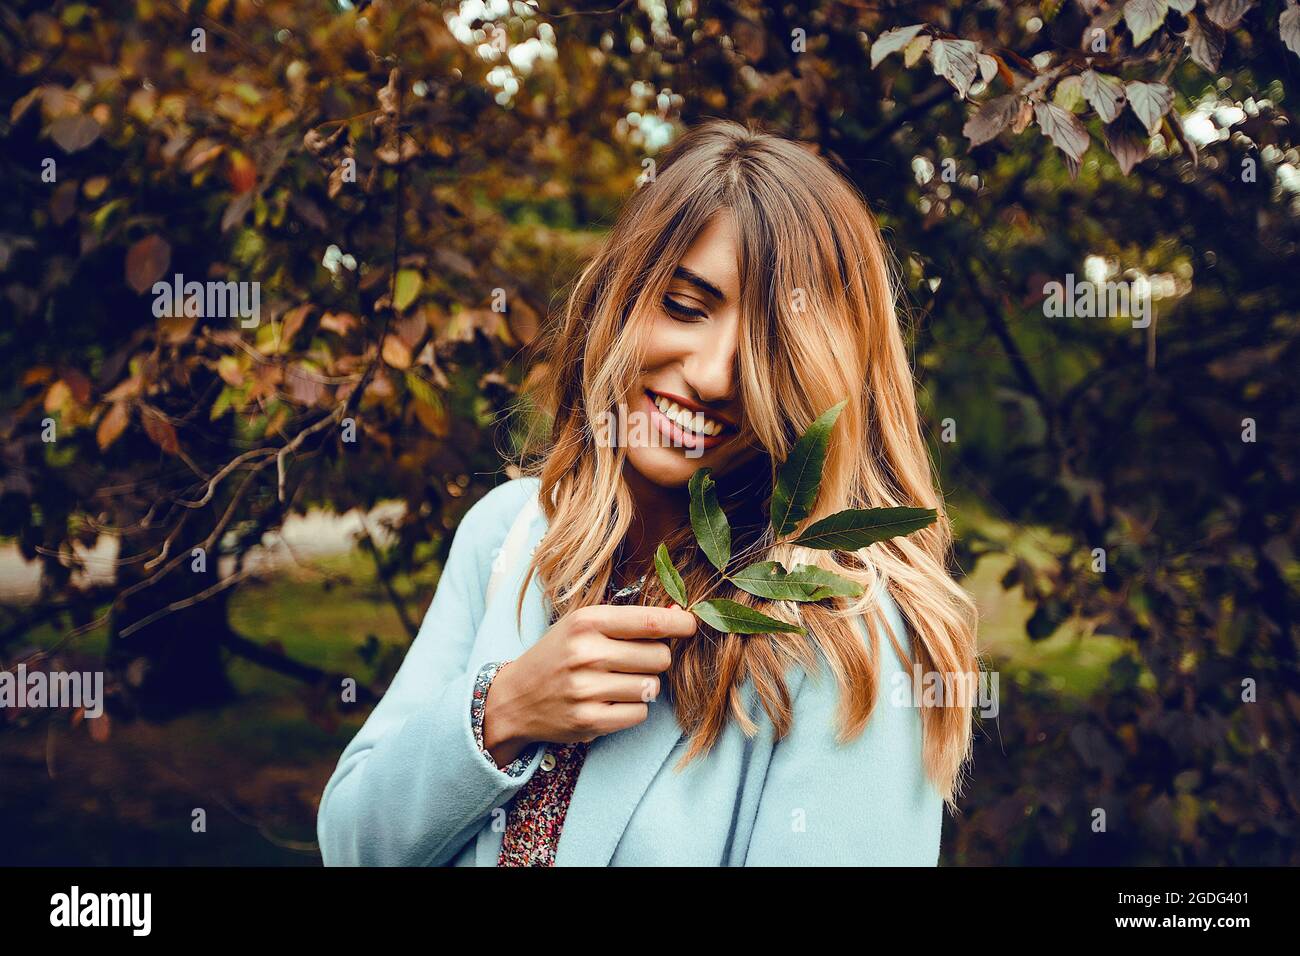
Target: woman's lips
<point>679,436</point>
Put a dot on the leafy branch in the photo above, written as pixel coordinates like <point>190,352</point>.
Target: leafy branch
<point>798,482</point>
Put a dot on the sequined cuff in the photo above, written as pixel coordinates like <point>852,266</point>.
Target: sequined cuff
<point>477,705</point>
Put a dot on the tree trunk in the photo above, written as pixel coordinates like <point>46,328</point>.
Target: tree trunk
<point>175,663</point>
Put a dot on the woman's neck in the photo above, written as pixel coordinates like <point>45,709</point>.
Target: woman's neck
<point>658,511</point>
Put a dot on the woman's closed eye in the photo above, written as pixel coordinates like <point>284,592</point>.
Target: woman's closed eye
<point>680,310</point>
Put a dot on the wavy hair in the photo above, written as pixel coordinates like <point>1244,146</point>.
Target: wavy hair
<point>818,324</point>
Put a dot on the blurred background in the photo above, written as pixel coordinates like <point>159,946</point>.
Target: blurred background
<point>231,518</point>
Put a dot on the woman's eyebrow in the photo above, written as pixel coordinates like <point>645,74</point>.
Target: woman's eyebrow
<point>697,280</point>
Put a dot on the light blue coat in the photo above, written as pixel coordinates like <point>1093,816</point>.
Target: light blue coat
<point>412,788</point>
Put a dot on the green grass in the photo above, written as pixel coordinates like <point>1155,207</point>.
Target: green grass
<point>323,621</point>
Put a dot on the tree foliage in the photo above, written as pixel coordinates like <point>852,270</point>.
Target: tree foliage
<point>1002,145</point>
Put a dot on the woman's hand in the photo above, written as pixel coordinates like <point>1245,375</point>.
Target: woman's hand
<point>594,672</point>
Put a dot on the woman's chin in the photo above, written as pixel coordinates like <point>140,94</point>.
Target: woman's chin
<point>671,467</point>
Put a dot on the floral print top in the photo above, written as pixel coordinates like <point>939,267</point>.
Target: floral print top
<point>536,817</point>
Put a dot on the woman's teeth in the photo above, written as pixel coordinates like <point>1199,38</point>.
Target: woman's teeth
<point>694,421</point>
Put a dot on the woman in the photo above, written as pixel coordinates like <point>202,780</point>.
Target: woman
<point>590,721</point>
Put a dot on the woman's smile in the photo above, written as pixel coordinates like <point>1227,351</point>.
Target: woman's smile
<point>685,426</point>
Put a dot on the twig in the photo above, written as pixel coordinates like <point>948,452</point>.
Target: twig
<point>180,605</point>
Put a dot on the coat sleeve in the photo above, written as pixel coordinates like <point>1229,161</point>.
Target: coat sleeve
<point>866,802</point>
<point>413,787</point>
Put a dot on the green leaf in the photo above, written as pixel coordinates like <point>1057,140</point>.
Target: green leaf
<point>769,579</point>
<point>708,520</point>
<point>422,391</point>
<point>824,583</point>
<point>103,215</point>
<point>801,473</point>
<point>858,527</point>
<point>222,404</point>
<point>406,288</point>
<point>668,576</point>
<point>732,618</point>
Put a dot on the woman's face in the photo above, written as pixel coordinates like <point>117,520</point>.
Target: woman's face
<point>685,412</point>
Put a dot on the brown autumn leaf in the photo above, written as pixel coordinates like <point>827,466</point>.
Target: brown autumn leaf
<point>22,104</point>
<point>37,375</point>
<point>78,384</point>
<point>160,431</point>
<point>1205,42</point>
<point>73,133</point>
<point>201,153</point>
<point>58,102</point>
<point>1149,102</point>
<point>292,323</point>
<point>956,61</point>
<point>891,41</point>
<point>112,425</point>
<point>340,323</point>
<point>236,210</point>
<point>1144,17</point>
<point>396,352</point>
<point>1104,93</point>
<point>1227,13</point>
<point>99,727</point>
<point>410,328</point>
<point>57,396</point>
<point>1125,143</point>
<point>1063,128</point>
<point>241,171</point>
<point>992,118</point>
<point>128,388</point>
<point>146,261</point>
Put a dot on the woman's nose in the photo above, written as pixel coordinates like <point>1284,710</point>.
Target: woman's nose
<point>710,368</point>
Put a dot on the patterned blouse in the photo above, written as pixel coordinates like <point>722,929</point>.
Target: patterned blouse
<point>535,819</point>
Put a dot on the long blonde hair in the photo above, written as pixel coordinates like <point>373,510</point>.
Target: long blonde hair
<point>818,324</point>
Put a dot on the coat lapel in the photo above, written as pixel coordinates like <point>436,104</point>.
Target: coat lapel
<point>614,777</point>
<point>618,768</point>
